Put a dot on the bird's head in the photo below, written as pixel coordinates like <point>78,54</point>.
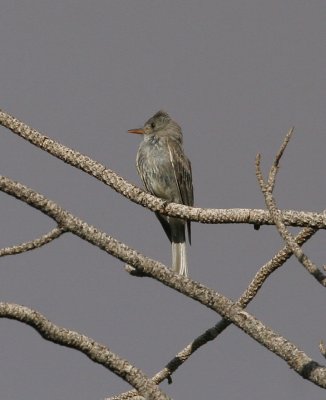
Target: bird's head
<point>160,124</point>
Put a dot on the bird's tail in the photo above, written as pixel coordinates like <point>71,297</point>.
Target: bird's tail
<point>179,258</point>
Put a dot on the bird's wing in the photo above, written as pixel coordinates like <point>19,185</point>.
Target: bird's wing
<point>183,176</point>
<point>182,172</point>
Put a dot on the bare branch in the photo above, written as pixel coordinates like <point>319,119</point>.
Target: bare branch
<point>229,310</point>
<point>92,349</point>
<point>210,334</point>
<point>267,190</point>
<point>135,194</point>
<point>34,244</point>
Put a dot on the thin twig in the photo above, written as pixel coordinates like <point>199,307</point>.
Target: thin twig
<point>279,154</point>
<point>34,244</point>
<point>322,348</point>
<point>267,189</point>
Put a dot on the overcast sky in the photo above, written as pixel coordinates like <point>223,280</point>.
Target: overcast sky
<point>236,75</point>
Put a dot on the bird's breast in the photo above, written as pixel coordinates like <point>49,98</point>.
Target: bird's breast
<point>156,170</point>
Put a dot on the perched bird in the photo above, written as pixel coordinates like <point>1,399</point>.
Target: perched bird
<point>166,173</point>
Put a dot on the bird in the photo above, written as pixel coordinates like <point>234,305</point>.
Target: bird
<point>166,173</point>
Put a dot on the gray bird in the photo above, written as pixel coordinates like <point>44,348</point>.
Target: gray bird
<point>166,173</point>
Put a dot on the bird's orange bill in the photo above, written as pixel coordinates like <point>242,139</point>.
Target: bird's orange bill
<point>139,131</point>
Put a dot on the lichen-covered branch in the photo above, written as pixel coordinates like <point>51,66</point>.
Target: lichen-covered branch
<point>229,310</point>
<point>33,244</point>
<point>92,349</point>
<point>135,194</point>
<point>210,334</point>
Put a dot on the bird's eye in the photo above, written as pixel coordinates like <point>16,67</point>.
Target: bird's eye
<point>153,125</point>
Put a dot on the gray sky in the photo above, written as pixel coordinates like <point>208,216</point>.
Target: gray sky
<point>236,76</point>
